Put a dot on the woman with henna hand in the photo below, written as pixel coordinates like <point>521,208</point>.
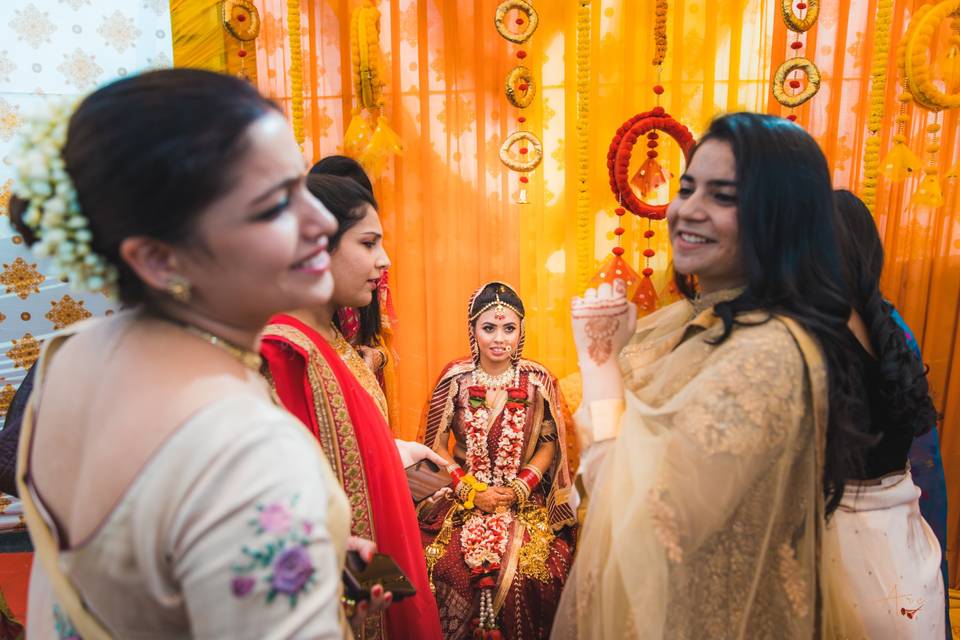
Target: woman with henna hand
<point>499,544</point>
<point>728,424</point>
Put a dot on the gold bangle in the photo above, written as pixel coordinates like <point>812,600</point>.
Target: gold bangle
<point>521,490</point>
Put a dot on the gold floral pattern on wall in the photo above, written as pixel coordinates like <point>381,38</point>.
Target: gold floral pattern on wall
<point>21,278</point>
<point>5,196</point>
<point>58,47</point>
<point>32,26</point>
<point>9,120</point>
<point>80,69</point>
<point>119,31</point>
<point>66,311</point>
<point>24,351</point>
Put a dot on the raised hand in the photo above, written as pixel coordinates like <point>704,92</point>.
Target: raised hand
<point>603,321</point>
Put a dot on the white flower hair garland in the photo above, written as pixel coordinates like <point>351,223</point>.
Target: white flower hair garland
<point>53,211</point>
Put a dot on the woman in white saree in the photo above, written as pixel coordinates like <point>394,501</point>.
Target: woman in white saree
<point>721,439</point>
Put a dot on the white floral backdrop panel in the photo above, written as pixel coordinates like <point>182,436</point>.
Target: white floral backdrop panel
<point>47,48</point>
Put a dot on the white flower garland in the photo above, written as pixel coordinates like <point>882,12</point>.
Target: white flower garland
<point>484,536</point>
<point>53,211</point>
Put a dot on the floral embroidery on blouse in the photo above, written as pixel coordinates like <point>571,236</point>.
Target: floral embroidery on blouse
<point>63,626</point>
<point>281,558</point>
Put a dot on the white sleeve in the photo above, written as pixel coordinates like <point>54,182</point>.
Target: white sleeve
<point>256,538</point>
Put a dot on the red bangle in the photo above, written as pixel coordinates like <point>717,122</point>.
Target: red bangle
<point>529,477</point>
<point>457,475</point>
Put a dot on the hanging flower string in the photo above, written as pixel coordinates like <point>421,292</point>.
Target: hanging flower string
<point>520,89</point>
<point>370,145</point>
<point>808,10</point>
<point>878,86</point>
<point>296,68</point>
<point>648,179</point>
<point>901,162</point>
<point>241,20</point>
<point>584,235</point>
<point>918,81</point>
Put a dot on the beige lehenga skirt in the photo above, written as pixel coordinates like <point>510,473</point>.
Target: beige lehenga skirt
<point>889,559</point>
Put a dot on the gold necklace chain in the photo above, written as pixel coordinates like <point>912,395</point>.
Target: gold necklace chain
<point>246,357</point>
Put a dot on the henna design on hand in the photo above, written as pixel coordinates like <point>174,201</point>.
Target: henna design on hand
<point>601,330</point>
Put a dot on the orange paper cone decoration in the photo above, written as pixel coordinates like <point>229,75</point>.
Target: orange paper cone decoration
<point>613,268</point>
<point>649,177</point>
<point>645,297</point>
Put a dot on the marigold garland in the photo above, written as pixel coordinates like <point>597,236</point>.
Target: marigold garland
<point>296,68</point>
<point>878,85</point>
<point>584,236</point>
<point>621,148</point>
<point>366,57</point>
<point>660,33</point>
<point>901,162</point>
<point>917,69</point>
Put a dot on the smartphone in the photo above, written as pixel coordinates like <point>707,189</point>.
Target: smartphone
<point>360,577</point>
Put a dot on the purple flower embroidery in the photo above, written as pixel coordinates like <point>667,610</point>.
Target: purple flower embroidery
<point>275,518</point>
<point>242,586</point>
<point>291,571</point>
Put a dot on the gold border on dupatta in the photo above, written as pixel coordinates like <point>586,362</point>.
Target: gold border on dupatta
<point>337,436</point>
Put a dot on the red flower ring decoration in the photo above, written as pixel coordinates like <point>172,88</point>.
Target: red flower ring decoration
<point>621,148</point>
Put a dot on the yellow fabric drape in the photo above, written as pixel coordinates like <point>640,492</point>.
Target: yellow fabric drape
<point>448,205</point>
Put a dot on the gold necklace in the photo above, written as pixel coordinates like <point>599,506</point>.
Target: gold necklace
<point>246,357</point>
<point>506,379</point>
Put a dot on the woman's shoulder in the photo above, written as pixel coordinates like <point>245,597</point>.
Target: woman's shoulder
<point>760,335</point>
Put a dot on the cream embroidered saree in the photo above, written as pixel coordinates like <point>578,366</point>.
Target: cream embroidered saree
<point>706,516</point>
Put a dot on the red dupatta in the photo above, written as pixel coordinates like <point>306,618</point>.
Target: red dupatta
<point>315,385</point>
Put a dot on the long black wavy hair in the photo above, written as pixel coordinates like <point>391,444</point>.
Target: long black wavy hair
<point>904,374</point>
<point>792,264</point>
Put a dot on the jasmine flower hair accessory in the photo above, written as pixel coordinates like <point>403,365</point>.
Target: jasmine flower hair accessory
<point>53,210</point>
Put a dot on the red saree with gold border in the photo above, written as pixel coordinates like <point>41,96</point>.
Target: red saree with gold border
<point>313,382</point>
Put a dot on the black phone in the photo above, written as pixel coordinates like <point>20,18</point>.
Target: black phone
<point>360,577</point>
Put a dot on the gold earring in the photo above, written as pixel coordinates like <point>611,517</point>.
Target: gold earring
<point>179,289</point>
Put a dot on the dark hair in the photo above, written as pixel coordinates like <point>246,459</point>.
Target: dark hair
<point>345,168</point>
<point>903,373</point>
<point>490,293</point>
<point>346,199</point>
<point>146,154</point>
<point>790,255</point>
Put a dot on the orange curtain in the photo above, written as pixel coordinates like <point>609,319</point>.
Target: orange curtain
<point>449,206</point>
